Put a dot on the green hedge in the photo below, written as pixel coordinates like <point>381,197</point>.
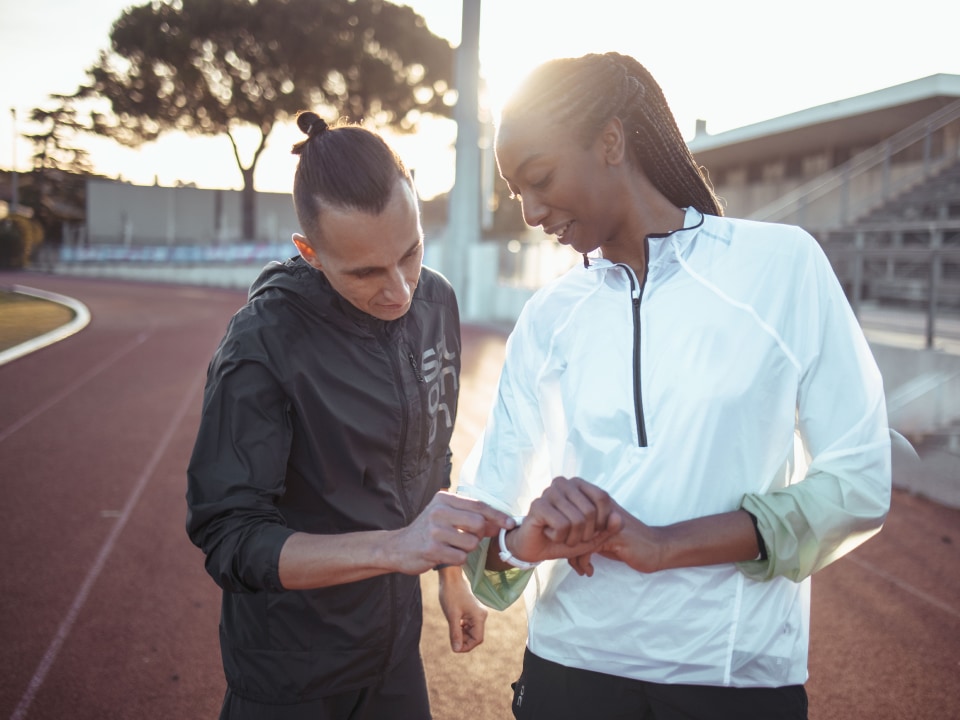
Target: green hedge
<point>19,237</point>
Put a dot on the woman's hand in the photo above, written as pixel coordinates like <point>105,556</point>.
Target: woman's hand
<point>571,518</point>
<point>466,617</point>
<point>638,545</point>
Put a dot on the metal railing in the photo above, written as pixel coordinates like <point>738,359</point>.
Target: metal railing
<point>924,270</point>
<point>834,188</point>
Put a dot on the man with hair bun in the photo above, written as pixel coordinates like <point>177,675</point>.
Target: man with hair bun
<point>317,488</point>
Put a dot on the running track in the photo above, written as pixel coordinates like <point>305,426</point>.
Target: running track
<point>106,611</point>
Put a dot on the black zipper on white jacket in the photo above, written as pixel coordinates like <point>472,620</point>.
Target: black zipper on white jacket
<point>636,294</point>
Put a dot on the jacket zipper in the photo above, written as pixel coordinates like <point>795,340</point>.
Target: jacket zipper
<point>636,294</point>
<point>398,479</point>
<point>416,368</point>
<point>404,422</point>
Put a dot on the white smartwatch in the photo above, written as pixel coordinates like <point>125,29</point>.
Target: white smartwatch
<point>505,554</point>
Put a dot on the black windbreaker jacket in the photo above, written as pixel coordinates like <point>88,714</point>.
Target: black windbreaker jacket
<point>319,418</point>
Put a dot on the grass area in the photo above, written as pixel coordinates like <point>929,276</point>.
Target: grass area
<point>23,317</point>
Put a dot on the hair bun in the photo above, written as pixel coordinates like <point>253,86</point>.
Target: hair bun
<point>311,123</point>
<point>317,127</point>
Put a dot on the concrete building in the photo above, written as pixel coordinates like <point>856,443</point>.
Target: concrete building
<point>875,178</point>
<point>119,213</point>
<point>829,165</point>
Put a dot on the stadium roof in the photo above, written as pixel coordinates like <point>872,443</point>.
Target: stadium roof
<point>859,121</point>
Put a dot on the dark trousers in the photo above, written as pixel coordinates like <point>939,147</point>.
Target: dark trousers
<point>402,693</point>
<point>548,691</point>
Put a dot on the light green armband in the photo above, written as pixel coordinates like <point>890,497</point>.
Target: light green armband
<point>497,589</point>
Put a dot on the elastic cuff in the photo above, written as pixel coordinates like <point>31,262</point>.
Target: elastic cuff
<point>760,542</point>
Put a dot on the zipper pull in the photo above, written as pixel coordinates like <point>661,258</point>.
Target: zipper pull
<point>416,370</point>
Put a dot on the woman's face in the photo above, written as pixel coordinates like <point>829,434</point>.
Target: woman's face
<point>566,189</point>
<point>373,261</point>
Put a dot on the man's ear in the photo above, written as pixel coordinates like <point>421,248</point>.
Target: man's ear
<point>613,142</point>
<point>306,251</point>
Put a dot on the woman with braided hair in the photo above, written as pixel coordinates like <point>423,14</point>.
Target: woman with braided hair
<point>692,419</point>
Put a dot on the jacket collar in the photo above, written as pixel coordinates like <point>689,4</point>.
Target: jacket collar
<point>310,288</point>
<point>663,248</point>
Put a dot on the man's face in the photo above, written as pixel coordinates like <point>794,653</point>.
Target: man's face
<point>373,261</point>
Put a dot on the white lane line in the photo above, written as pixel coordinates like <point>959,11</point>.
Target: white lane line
<point>80,320</point>
<point>75,385</point>
<point>78,602</point>
<point>905,586</point>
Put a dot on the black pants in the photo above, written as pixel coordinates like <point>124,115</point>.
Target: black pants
<point>548,691</point>
<point>400,694</point>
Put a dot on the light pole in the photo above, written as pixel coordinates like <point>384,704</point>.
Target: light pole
<point>14,189</point>
<point>463,225</point>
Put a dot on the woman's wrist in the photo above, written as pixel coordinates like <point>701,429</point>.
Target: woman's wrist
<point>506,551</point>
<point>710,540</point>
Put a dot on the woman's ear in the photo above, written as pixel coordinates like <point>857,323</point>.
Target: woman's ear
<point>613,142</point>
<point>306,251</point>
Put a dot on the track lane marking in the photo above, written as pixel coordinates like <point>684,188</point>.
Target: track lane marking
<point>905,586</point>
<point>74,386</point>
<point>80,320</point>
<point>66,625</point>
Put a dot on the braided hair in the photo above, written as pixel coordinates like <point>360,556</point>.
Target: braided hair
<point>343,165</point>
<point>585,93</point>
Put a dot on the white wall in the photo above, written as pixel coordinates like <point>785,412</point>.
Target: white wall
<point>124,214</point>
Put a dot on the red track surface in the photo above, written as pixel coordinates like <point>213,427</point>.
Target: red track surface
<point>106,611</point>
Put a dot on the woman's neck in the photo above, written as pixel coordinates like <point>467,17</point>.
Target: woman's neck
<point>648,213</point>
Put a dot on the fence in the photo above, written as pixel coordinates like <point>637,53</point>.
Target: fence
<point>915,263</point>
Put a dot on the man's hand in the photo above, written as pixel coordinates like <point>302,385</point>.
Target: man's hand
<point>571,518</point>
<point>465,616</point>
<point>447,530</point>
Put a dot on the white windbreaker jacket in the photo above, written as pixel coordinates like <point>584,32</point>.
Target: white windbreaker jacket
<point>735,376</point>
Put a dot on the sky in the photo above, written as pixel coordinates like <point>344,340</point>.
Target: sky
<point>729,62</point>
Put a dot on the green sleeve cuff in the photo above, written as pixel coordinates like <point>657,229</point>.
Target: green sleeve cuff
<point>779,540</point>
<point>497,589</point>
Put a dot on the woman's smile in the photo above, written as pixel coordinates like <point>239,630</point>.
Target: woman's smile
<point>559,230</point>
